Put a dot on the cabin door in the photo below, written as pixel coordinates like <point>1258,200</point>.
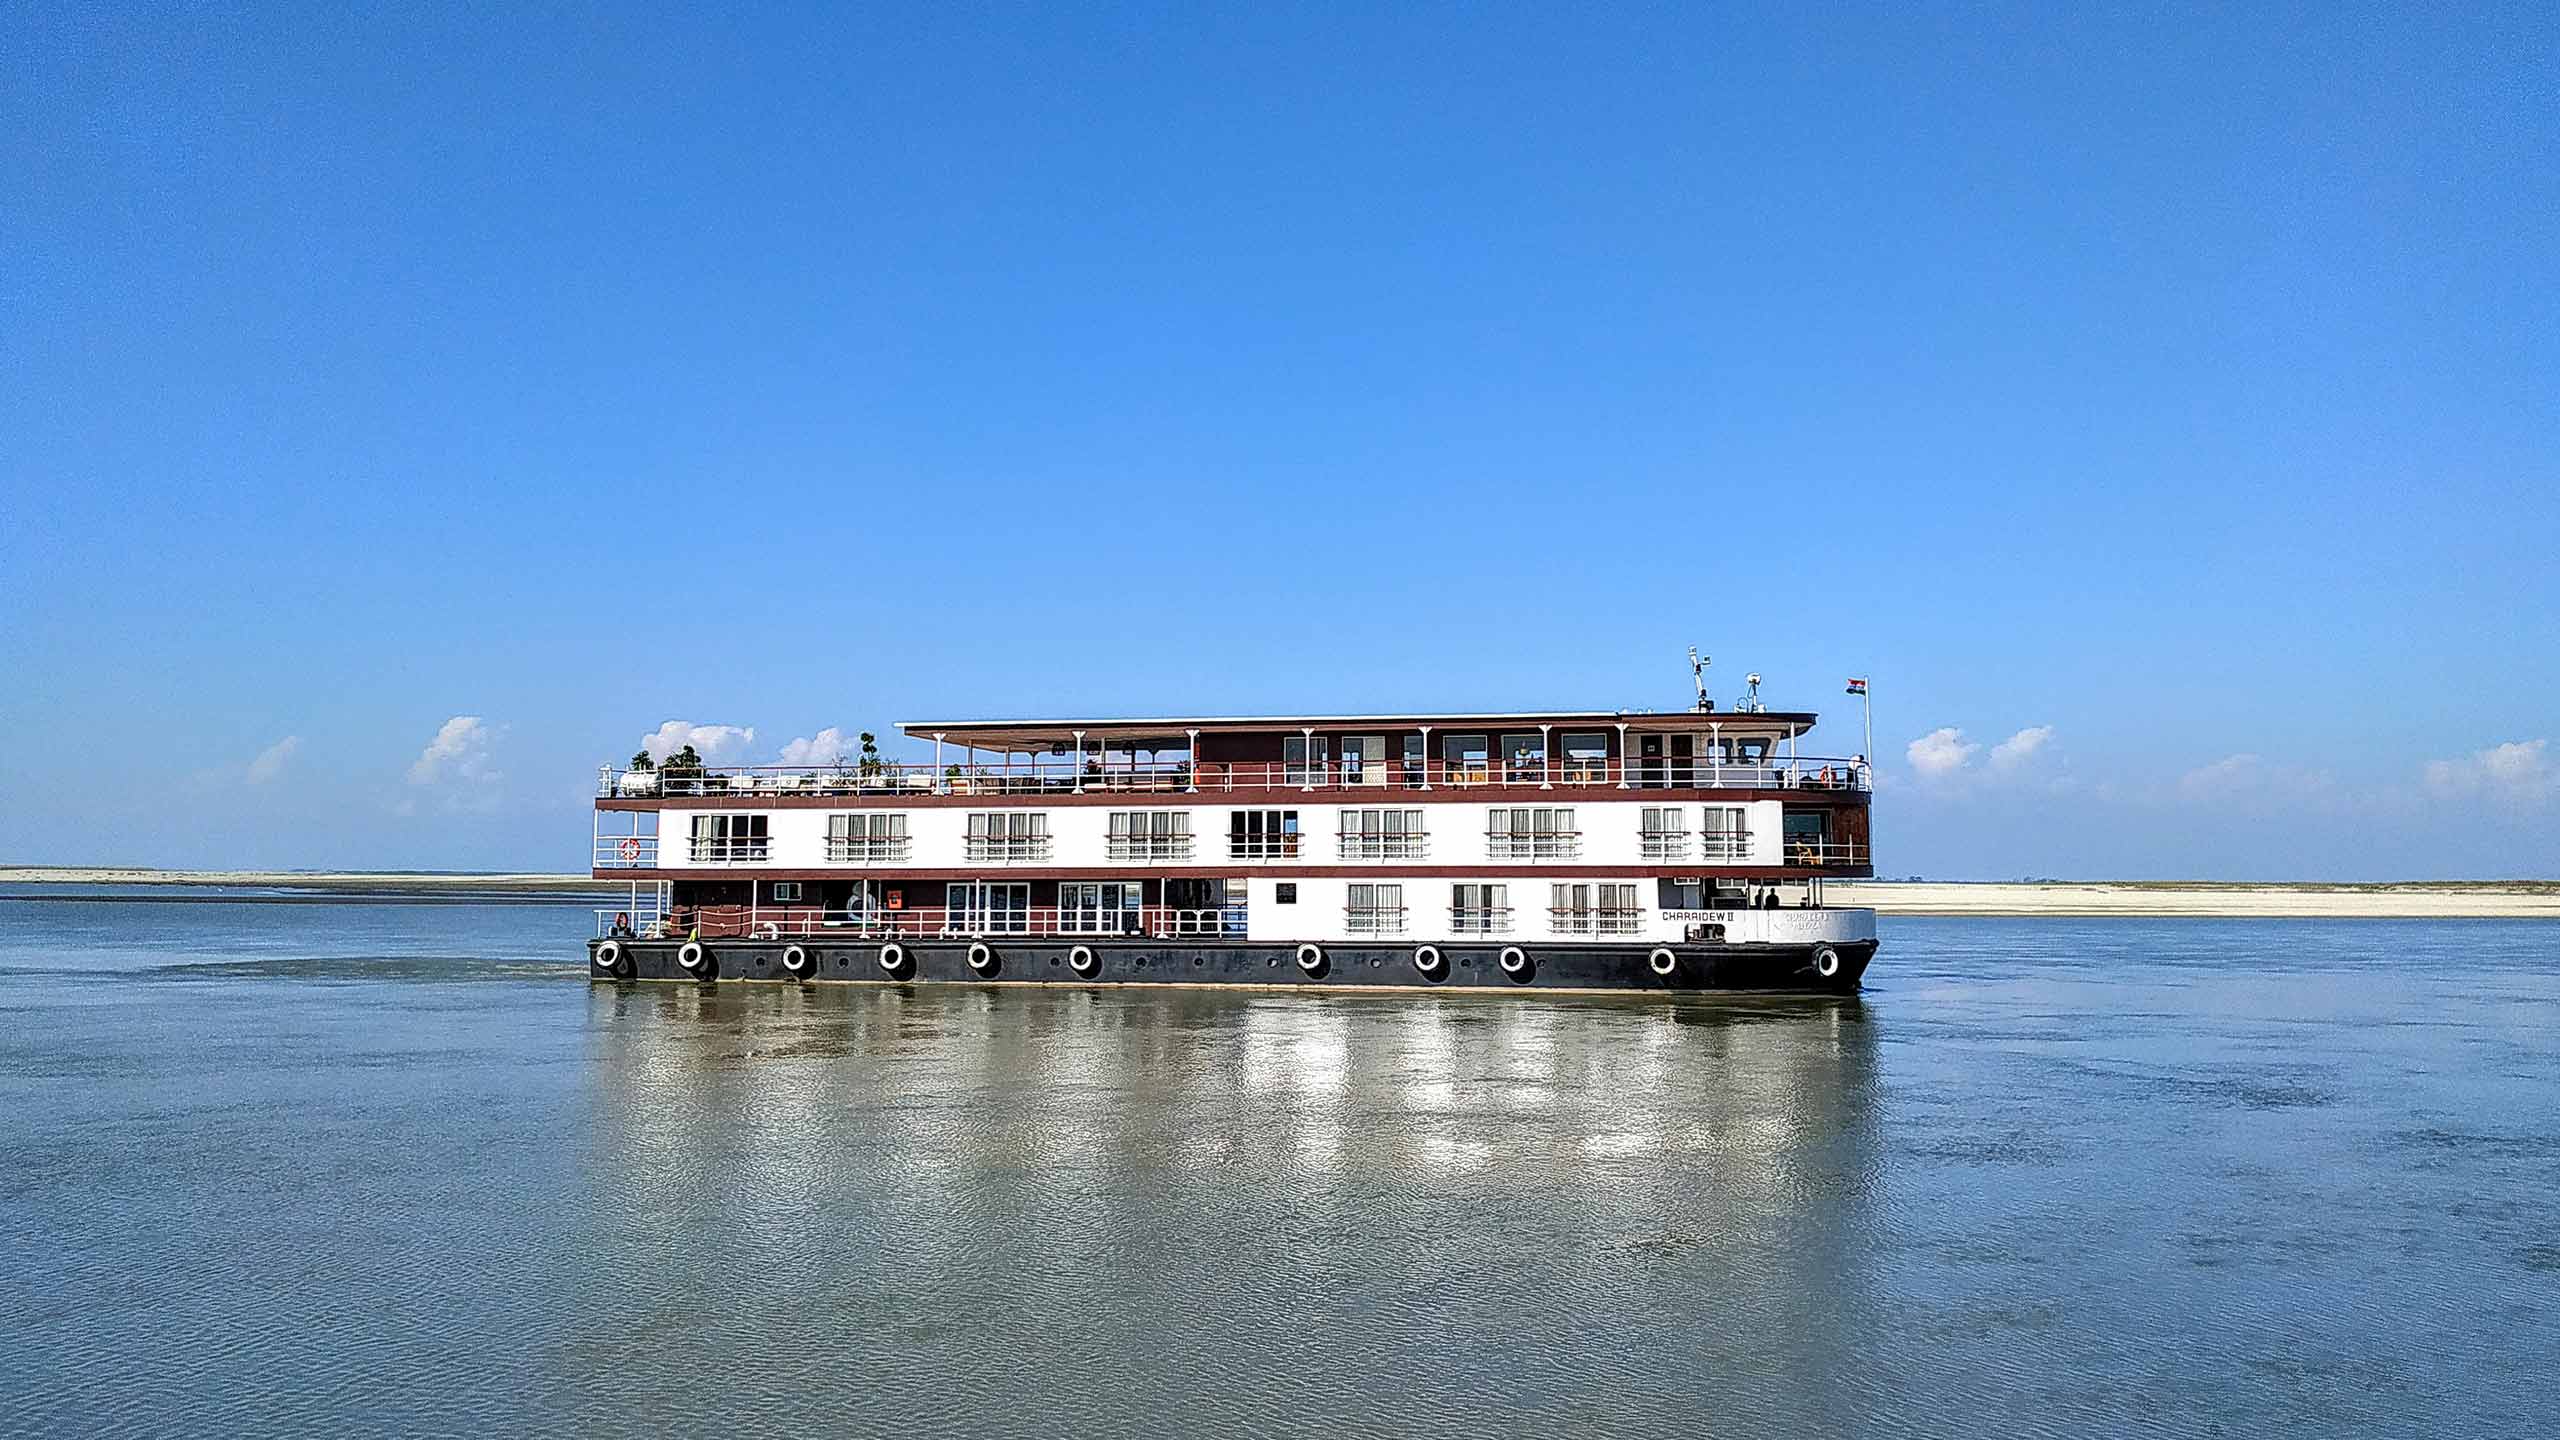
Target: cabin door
<point>1364,759</point>
<point>1684,759</point>
<point>1649,761</point>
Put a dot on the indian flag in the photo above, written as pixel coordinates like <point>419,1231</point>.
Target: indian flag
<point>1857,687</point>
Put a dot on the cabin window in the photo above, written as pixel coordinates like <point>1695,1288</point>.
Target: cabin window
<point>979,907</point>
<point>1479,909</point>
<point>1530,833</point>
<point>1524,759</point>
<point>1285,893</point>
<point>1808,837</point>
<point>1725,836</point>
<point>1374,910</point>
<point>731,839</point>
<point>1665,833</point>
<point>1381,834</point>
<point>1595,910</point>
<point>1468,758</point>
<point>786,892</point>
<point>857,838</point>
<point>1303,757</point>
<point>1262,834</point>
<point>1150,834</point>
<point>1008,835</point>
<point>1364,759</point>
<point>1414,755</point>
<point>1586,758</point>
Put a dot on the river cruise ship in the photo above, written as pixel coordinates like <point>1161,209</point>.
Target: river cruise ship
<point>1592,850</point>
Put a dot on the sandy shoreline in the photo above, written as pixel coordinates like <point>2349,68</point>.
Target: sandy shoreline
<point>2526,899</point>
<point>2523,899</point>
<point>405,882</point>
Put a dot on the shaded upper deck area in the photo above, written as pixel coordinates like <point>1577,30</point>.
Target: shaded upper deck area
<point>1706,750</point>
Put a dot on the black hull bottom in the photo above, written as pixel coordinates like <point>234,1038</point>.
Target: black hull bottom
<point>1118,961</point>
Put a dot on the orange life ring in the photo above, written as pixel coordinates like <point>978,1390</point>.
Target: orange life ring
<point>629,849</point>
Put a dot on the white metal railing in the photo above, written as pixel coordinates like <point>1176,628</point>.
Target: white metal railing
<point>1149,847</point>
<point>1480,920</point>
<point>1824,852</point>
<point>731,852</point>
<point>889,780</point>
<point>1665,844</point>
<point>1532,844</point>
<point>1263,847</point>
<point>1373,919</point>
<point>1724,845</point>
<point>1408,846</point>
<point>1008,849</point>
<point>626,852</point>
<point>866,849</point>
<point>1566,920</point>
<point>932,922</point>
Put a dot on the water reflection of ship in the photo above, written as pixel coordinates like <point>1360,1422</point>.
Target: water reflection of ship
<point>1712,1146</point>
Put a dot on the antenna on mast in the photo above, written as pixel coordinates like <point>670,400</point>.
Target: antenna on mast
<point>1698,675</point>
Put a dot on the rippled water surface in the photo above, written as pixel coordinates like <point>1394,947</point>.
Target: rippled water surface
<point>332,1169</point>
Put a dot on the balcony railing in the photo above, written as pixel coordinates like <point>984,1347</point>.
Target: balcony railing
<point>890,781</point>
<point>626,852</point>
<point>731,852</point>
<point>1825,852</point>
<point>1665,844</point>
<point>1480,920</point>
<point>1373,919</point>
<point>1532,844</point>
<point>1150,847</point>
<point>1263,847</point>
<point>809,922</point>
<point>1008,849</point>
<point>866,849</point>
<point>1407,846</point>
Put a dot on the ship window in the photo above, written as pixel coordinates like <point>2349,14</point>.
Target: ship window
<point>729,839</point>
<point>1595,910</point>
<point>1479,909</point>
<point>1150,834</point>
<point>866,836</point>
<point>1725,836</point>
<point>1008,835</point>
<point>1374,910</point>
<point>1468,759</point>
<point>1285,893</point>
<point>1665,833</point>
<point>1262,834</point>
<point>1303,758</point>
<point>1586,758</point>
<point>1530,833</point>
<point>786,891</point>
<point>1381,834</point>
<point>1524,759</point>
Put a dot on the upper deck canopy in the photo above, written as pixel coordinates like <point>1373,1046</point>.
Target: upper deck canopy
<point>1174,731</point>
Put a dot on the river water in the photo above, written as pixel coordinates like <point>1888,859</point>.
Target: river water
<point>398,1169</point>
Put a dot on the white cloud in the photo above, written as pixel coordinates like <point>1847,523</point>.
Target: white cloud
<point>460,751</point>
<point>2246,778</point>
<point>824,748</point>
<point>270,761</point>
<point>2519,772</point>
<point>2015,751</point>
<point>1941,752</point>
<point>711,742</point>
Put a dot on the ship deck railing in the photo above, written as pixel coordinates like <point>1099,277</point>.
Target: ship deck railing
<point>924,922</point>
<point>888,781</point>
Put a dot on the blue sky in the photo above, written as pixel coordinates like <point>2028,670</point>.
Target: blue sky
<point>2177,386</point>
